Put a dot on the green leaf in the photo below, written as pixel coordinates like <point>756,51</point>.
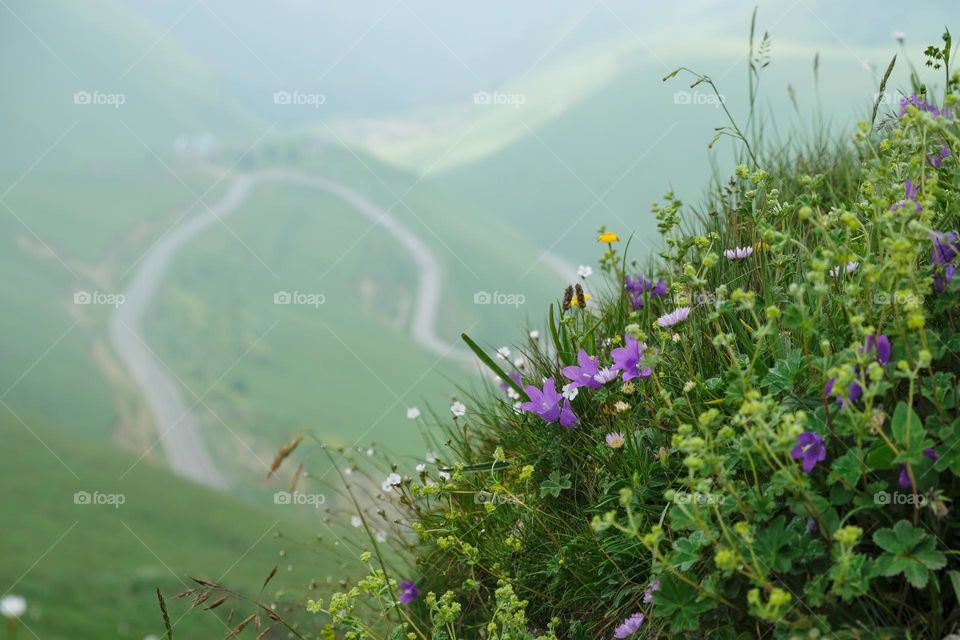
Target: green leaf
<point>681,603</point>
<point>686,551</point>
<point>785,374</point>
<point>554,484</point>
<point>493,366</point>
<point>901,538</point>
<point>907,428</point>
<point>910,551</point>
<point>846,468</point>
<point>955,581</point>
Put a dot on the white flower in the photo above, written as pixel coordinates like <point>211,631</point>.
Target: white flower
<point>503,353</point>
<point>849,268</point>
<point>899,36</point>
<point>380,536</point>
<point>392,480</point>
<point>688,387</point>
<point>570,391</point>
<point>621,406</point>
<point>518,407</point>
<point>519,362</point>
<point>356,521</point>
<point>369,452</point>
<point>675,337</point>
<point>458,409</point>
<point>534,335</point>
<point>413,413</point>
<point>430,456</point>
<point>584,271</point>
<point>347,471</point>
<point>512,394</point>
<point>12,606</point>
<point>605,375</point>
<point>444,475</point>
<point>738,253</point>
<point>421,468</point>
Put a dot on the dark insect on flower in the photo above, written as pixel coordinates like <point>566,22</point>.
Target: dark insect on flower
<point>567,298</point>
<point>581,298</point>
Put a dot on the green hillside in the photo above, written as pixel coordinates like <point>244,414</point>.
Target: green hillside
<point>89,571</point>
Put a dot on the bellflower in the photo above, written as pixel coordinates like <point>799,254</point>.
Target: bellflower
<point>637,286</point>
<point>584,374</point>
<point>546,404</point>
<point>408,592</point>
<point>911,192</point>
<point>880,345</point>
<point>945,250</point>
<point>936,159</point>
<point>629,359</point>
<point>809,448</point>
<point>920,104</point>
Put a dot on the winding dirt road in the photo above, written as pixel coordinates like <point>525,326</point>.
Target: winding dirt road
<point>178,429</point>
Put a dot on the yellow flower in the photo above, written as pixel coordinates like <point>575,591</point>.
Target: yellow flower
<point>576,302</point>
<point>761,246</point>
<point>608,237</point>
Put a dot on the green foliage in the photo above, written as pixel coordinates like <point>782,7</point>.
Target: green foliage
<point>778,473</point>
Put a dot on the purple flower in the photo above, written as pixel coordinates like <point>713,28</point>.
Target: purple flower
<point>408,592</point>
<point>911,191</point>
<point>629,358</point>
<point>584,375</point>
<point>854,391</point>
<point>931,454</point>
<point>920,104</point>
<point>546,404</point>
<point>945,250</point>
<point>810,449</point>
<point>629,626</point>
<point>936,159</point>
<point>879,344</point>
<point>674,317</point>
<point>876,345</point>
<point>904,479</point>
<point>637,286</point>
<point>738,253</point>
<point>648,594</point>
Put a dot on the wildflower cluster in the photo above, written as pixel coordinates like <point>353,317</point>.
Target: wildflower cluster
<point>756,435</point>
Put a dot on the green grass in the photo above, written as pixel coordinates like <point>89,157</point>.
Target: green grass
<point>90,571</point>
